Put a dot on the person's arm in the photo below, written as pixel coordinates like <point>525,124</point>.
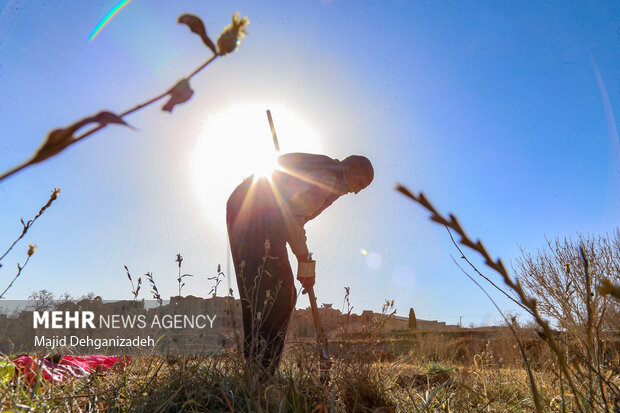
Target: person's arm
<point>306,199</point>
<point>297,241</point>
<point>297,237</point>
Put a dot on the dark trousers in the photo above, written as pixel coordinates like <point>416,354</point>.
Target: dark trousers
<point>264,278</point>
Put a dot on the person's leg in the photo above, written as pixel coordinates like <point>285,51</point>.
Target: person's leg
<point>265,283</point>
<point>238,216</point>
<point>276,292</point>
<point>280,303</point>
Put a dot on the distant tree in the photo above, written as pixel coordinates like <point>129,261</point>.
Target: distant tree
<point>413,323</point>
<point>65,297</point>
<point>88,296</point>
<point>563,278</point>
<point>41,300</point>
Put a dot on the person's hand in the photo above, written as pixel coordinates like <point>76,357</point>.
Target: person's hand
<point>306,268</point>
<point>304,257</point>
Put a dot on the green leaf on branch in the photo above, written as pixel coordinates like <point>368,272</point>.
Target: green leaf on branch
<point>196,25</point>
<point>179,93</point>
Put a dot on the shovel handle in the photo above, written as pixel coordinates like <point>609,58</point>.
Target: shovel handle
<point>320,333</point>
<point>273,131</point>
<point>325,362</point>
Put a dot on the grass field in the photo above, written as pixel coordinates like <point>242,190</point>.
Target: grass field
<point>437,374</point>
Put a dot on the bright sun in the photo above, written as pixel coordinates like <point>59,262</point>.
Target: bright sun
<point>235,143</point>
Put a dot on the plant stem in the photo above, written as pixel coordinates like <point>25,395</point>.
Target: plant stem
<point>483,276</point>
<point>14,170</point>
<point>205,64</point>
<point>19,271</point>
<point>97,128</point>
<point>535,392</point>
<point>27,225</point>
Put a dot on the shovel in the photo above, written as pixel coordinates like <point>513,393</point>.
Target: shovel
<point>325,362</point>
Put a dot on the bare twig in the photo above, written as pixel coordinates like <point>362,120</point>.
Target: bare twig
<point>217,279</point>
<point>134,290</point>
<point>535,392</point>
<point>179,260</point>
<point>31,251</point>
<point>154,289</point>
<point>61,139</point>
<point>589,324</point>
<point>499,267</point>
<point>483,276</point>
<point>26,225</point>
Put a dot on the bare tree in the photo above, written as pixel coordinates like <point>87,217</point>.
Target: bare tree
<point>557,278</point>
<point>42,300</point>
<point>65,298</point>
<point>90,296</point>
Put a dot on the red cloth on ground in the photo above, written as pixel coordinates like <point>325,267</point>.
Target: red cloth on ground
<point>69,366</point>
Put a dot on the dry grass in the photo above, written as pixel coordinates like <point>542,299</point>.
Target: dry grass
<point>358,384</point>
<point>580,361</point>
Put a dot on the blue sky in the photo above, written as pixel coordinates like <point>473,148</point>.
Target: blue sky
<point>501,113</point>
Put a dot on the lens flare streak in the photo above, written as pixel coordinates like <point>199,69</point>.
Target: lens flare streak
<point>106,19</point>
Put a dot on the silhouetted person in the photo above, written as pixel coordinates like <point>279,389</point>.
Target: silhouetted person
<point>277,210</point>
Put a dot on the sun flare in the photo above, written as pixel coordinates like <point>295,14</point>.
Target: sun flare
<point>235,143</point>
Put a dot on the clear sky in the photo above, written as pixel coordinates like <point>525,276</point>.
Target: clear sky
<point>503,114</point>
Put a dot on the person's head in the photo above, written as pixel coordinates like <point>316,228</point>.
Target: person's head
<point>358,171</point>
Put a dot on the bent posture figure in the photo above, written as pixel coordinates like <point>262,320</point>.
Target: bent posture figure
<point>262,216</point>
